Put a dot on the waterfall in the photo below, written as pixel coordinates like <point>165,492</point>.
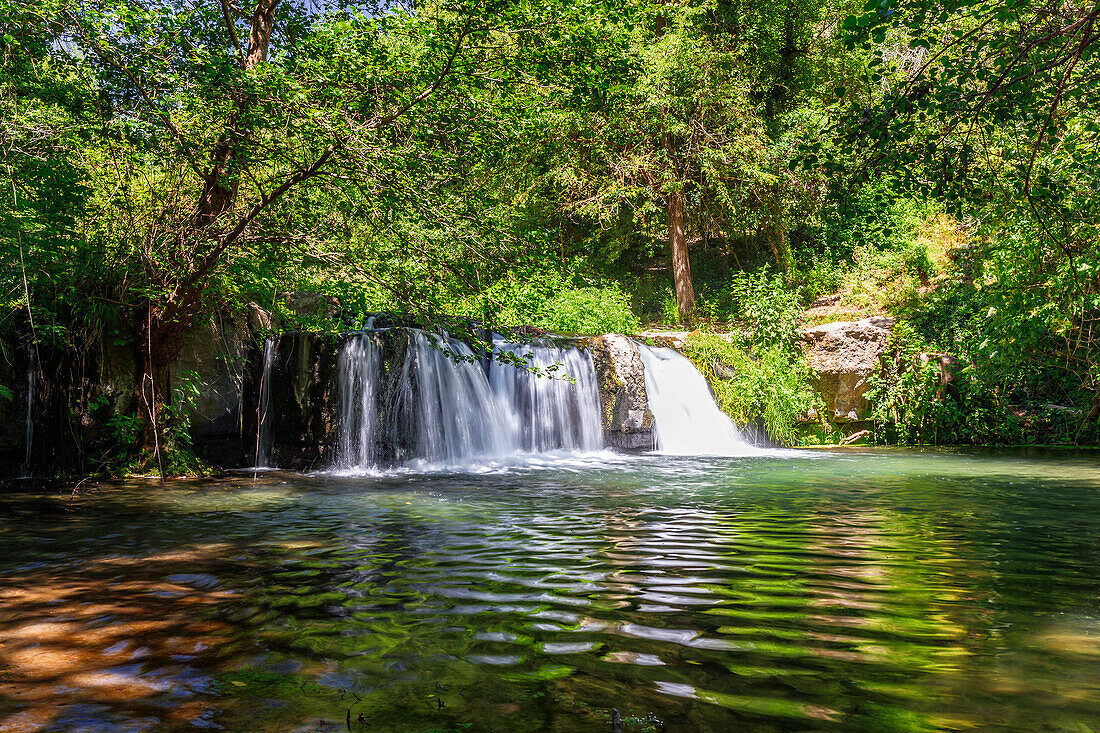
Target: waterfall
<point>557,408</point>
<point>686,419</point>
<point>443,390</point>
<point>263,410</point>
<point>358,369</point>
<point>28,428</point>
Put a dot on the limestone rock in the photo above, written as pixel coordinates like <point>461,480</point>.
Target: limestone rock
<point>627,421</point>
<point>843,357</point>
<point>671,339</point>
<point>312,304</point>
<point>259,319</point>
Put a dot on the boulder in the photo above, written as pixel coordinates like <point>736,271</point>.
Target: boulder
<point>627,421</point>
<point>843,357</point>
<point>259,319</point>
<point>947,368</point>
<point>312,304</point>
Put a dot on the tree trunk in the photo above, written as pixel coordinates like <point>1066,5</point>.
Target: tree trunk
<point>157,344</point>
<point>681,264</point>
<point>677,242</point>
<point>162,323</point>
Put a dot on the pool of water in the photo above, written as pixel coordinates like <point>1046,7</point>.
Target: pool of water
<point>857,590</point>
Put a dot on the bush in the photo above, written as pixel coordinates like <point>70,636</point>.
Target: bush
<point>768,308</point>
<point>588,311</point>
<point>825,276</point>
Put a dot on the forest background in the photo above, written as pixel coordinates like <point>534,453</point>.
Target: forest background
<point>584,166</point>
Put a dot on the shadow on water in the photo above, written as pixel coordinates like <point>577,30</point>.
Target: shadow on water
<point>828,591</point>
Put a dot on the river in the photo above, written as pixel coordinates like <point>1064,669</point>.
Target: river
<point>849,590</point>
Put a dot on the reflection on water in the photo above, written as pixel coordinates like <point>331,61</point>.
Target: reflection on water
<point>849,591</point>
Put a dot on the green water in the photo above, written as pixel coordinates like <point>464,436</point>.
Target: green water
<point>878,591</point>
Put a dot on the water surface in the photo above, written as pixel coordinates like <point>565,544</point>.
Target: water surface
<point>860,590</point>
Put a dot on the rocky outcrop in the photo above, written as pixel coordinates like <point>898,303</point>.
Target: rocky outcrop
<point>312,304</point>
<point>843,357</point>
<point>210,373</point>
<point>627,421</point>
<point>302,412</point>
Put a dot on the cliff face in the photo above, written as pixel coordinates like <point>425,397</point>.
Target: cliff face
<point>627,422</point>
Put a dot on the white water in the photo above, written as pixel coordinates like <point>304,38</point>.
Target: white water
<point>263,422</point>
<point>457,417</point>
<point>358,369</point>
<point>686,419</point>
<point>555,408</point>
<point>443,411</point>
<point>28,428</point>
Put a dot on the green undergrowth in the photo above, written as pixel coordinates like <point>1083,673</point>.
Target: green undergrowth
<point>769,385</point>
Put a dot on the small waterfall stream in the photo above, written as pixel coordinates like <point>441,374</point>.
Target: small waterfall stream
<point>457,417</point>
<point>358,372</point>
<point>28,428</point>
<point>687,420</point>
<point>263,412</point>
<point>555,408</point>
<point>439,406</point>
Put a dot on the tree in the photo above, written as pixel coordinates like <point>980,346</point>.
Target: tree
<point>228,115</point>
<point>992,107</point>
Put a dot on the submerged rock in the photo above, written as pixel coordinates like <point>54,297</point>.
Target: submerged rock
<point>627,421</point>
<point>843,357</point>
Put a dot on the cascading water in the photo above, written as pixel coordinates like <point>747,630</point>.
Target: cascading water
<point>686,419</point>
<point>557,408</point>
<point>263,411</point>
<point>358,370</point>
<point>28,428</point>
<point>443,390</point>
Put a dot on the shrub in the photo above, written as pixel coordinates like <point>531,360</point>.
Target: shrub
<point>761,301</point>
<point>589,310</point>
<point>824,277</point>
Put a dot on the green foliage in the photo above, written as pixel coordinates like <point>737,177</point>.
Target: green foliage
<point>877,215</point>
<point>919,401</point>
<point>550,301</point>
<point>824,277</point>
<point>762,302</point>
<point>770,385</point>
<point>589,311</point>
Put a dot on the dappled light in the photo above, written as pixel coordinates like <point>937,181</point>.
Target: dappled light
<point>862,590</point>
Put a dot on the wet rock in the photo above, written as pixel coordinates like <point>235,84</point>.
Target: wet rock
<point>843,357</point>
<point>312,304</point>
<point>722,370</point>
<point>209,374</point>
<point>303,401</point>
<point>620,374</point>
